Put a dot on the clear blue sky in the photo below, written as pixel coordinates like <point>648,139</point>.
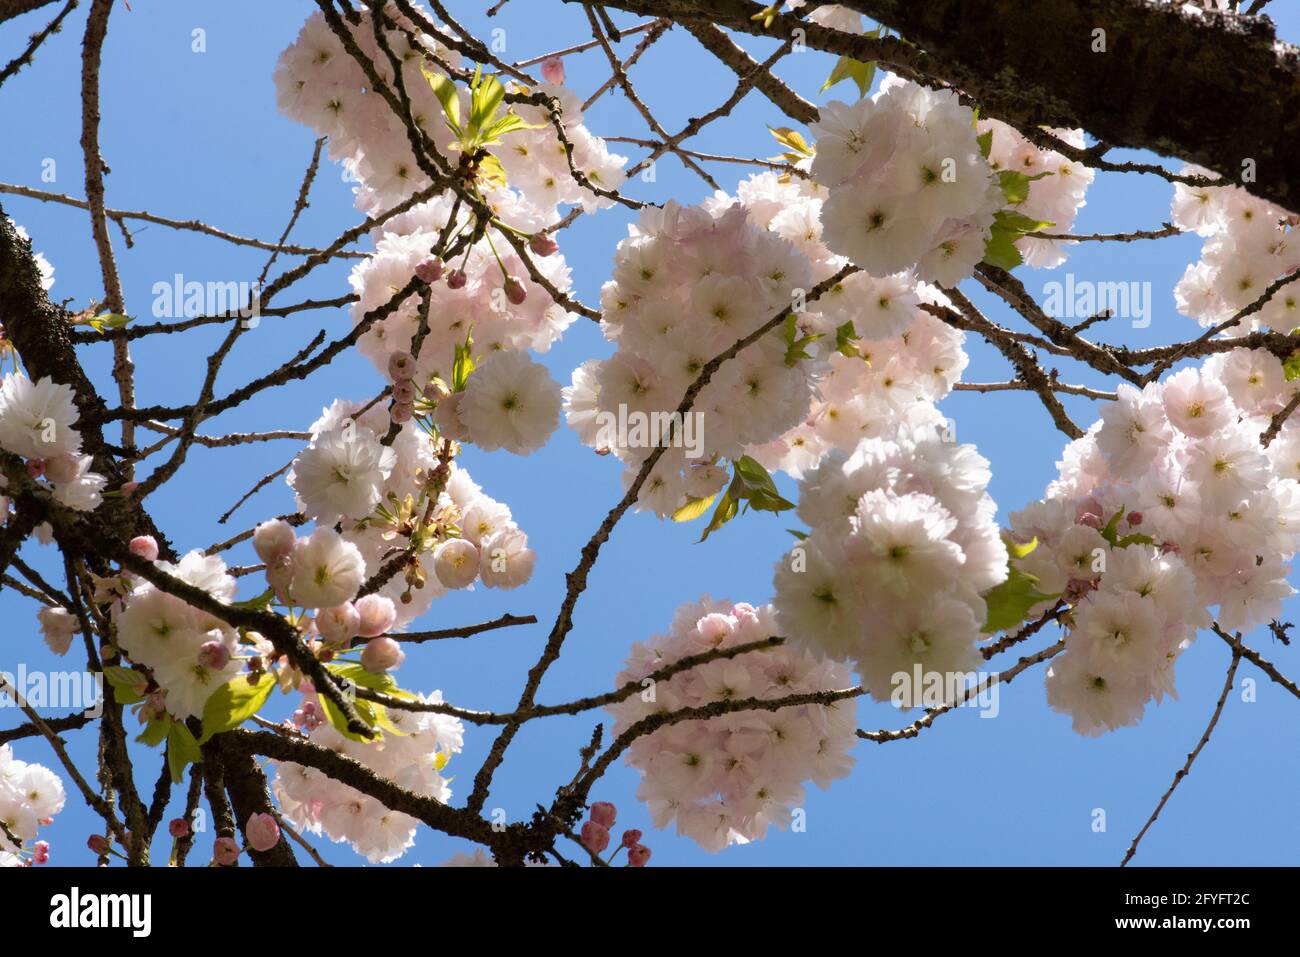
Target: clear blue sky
<point>198,135</point>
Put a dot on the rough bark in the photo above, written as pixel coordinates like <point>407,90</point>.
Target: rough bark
<point>14,8</point>
<point>249,795</point>
<point>1210,88</point>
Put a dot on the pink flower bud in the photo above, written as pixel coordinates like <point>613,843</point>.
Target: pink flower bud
<point>543,244</point>
<point>340,624</point>
<point>128,489</point>
<point>40,852</point>
<point>376,615</point>
<point>273,540</point>
<point>553,70</point>
<point>400,366</point>
<point>145,547</point>
<point>515,291</point>
<point>179,827</point>
<point>402,412</point>
<point>595,837</point>
<point>214,655</point>
<point>262,831</point>
<point>1091,519</point>
<point>1135,518</point>
<point>98,844</point>
<point>604,813</point>
<point>638,855</point>
<point>430,270</point>
<point>35,468</point>
<point>225,851</point>
<point>631,837</point>
<point>62,468</point>
<point>381,654</point>
<point>456,279</point>
<point>405,392</point>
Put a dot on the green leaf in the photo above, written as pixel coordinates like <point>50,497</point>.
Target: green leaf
<point>985,141</point>
<point>1017,550</point>
<point>860,73</point>
<point>445,90</point>
<point>1291,366</point>
<point>507,124</point>
<point>725,511</point>
<point>1008,226</point>
<point>1009,602</point>
<point>182,750</point>
<point>1111,531</point>
<point>128,684</point>
<point>485,99</point>
<point>791,140</point>
<point>463,365</point>
<point>382,682</point>
<point>845,336</point>
<point>694,508</point>
<point>758,488</point>
<point>155,731</point>
<point>1015,185</point>
<point>491,172</point>
<point>108,321</point>
<point>1000,250</point>
<point>797,534</point>
<point>753,475</point>
<point>847,68</point>
<point>794,343</point>
<point>767,14</point>
<point>336,718</point>
<point>1136,538</point>
<point>1019,222</point>
<point>234,703</point>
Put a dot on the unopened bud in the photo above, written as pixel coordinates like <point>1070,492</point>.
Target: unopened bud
<point>430,270</point>
<point>381,654</point>
<point>604,813</point>
<point>595,837</point>
<point>214,655</point>
<point>400,366</point>
<point>553,70</point>
<point>543,244</point>
<point>515,291</point>
<point>145,546</point>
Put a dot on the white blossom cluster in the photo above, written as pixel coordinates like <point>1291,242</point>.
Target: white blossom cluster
<point>726,779</point>
<point>688,283</point>
<point>1056,189</point>
<point>346,475</point>
<point>36,423</point>
<point>902,546</point>
<point>909,186</point>
<point>1169,506</point>
<point>30,796</point>
<point>902,361</point>
<point>489,290</point>
<point>1249,244</point>
<point>411,758</point>
<point>189,651</point>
